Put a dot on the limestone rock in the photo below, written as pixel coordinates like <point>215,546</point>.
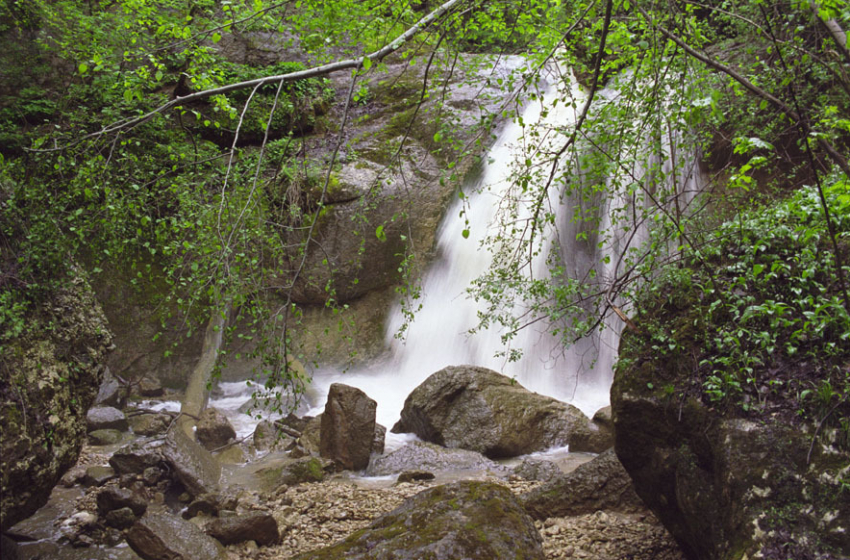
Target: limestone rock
<point>478,409</point>
<point>121,518</point>
<point>166,537</point>
<point>49,377</point>
<point>421,455</point>
<point>106,418</point>
<point>113,498</point>
<point>98,475</point>
<point>191,464</point>
<point>599,484</point>
<point>137,456</point>
<point>214,429</point>
<point>149,387</point>
<point>268,438</point>
<point>311,435</point>
<point>537,469</point>
<point>723,485</point>
<point>150,424</point>
<point>111,392</point>
<point>414,476</point>
<point>469,519</point>
<point>348,427</point>
<point>379,440</point>
<point>105,437</point>
<point>258,527</point>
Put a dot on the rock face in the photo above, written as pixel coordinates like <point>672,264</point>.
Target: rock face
<point>49,377</point>
<point>600,484</point>
<point>214,429</point>
<point>478,409</point>
<point>348,427</point>
<point>724,486</point>
<point>167,537</point>
<point>467,519</point>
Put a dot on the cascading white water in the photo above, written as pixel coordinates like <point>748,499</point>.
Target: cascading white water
<point>439,334</point>
<point>580,374</point>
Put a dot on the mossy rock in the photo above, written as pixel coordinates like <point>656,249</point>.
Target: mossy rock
<point>469,519</point>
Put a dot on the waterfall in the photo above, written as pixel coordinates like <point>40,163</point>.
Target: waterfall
<point>439,335</point>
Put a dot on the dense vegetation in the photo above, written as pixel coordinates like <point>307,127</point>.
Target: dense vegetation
<point>120,148</point>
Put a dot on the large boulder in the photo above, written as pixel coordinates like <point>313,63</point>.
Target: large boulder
<point>469,519</point>
<point>599,484</point>
<point>50,373</point>
<point>725,486</point>
<point>214,430</point>
<point>478,409</point>
<point>191,464</point>
<point>167,537</point>
<point>348,427</point>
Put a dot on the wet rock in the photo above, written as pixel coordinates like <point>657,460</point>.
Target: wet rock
<point>599,484</point>
<point>98,475</point>
<point>421,455</point>
<point>150,387</point>
<point>268,438</point>
<point>121,518</point>
<point>604,419</point>
<point>307,469</point>
<point>105,437</point>
<point>348,427</point>
<point>297,452</point>
<point>205,504</point>
<point>50,375</point>
<point>467,519</point>
<point>106,418</point>
<point>111,392</point>
<point>137,456</point>
<point>151,475</point>
<point>214,429</point>
<point>165,537</point>
<point>112,498</point>
<point>150,424</point>
<point>537,469</point>
<point>475,408</point>
<point>74,476</point>
<point>191,464</point>
<point>379,439</point>
<point>415,476</point>
<point>258,527</point>
<point>311,435</point>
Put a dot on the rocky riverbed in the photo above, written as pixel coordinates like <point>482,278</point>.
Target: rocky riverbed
<point>312,515</point>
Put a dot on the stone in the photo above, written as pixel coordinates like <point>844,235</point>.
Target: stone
<point>469,519</point>
<point>599,484</point>
<point>205,504</point>
<point>50,376</point>
<point>214,429</point>
<point>348,427</point>
<point>475,408</point>
<point>151,475</point>
<point>537,469</point>
<point>268,438</point>
<point>98,475</point>
<point>166,537</point>
<point>74,476</point>
<point>379,439</point>
<point>111,392</point>
<point>121,518</point>
<point>105,437</point>
<point>137,456</point>
<point>150,387</point>
<point>415,476</point>
<point>190,463</point>
<point>307,469</point>
<point>150,424</point>
<point>8,548</point>
<point>311,435</point>
<point>258,527</point>
<point>105,418</point>
<point>112,498</point>
<point>724,485</point>
<point>421,455</point>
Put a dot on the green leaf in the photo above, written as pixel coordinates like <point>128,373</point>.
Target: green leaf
<point>216,37</point>
<point>465,234</point>
<point>367,63</point>
<point>83,68</point>
<point>379,233</point>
